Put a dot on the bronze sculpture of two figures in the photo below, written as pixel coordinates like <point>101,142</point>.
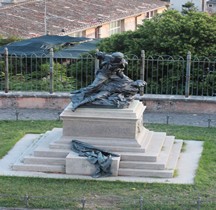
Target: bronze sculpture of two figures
<point>111,87</point>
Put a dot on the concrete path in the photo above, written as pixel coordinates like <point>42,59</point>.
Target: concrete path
<point>201,120</point>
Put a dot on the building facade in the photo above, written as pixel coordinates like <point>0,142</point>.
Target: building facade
<point>211,6</point>
<point>89,18</point>
<point>177,4</point>
<point>116,26</point>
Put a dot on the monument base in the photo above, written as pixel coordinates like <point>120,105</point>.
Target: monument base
<point>143,153</point>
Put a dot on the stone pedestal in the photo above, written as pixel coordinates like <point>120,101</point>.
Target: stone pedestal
<point>103,122</point>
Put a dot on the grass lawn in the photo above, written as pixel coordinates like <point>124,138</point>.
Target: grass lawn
<point>69,194</point>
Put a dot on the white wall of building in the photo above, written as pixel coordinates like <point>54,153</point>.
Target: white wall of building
<point>177,4</point>
<point>211,6</point>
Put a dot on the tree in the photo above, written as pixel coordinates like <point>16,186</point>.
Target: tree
<point>4,41</point>
<point>169,33</point>
<point>188,7</point>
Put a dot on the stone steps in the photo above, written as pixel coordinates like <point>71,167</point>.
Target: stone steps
<point>152,151</point>
<point>146,139</point>
<point>142,136</point>
<point>99,142</point>
<point>39,168</point>
<point>43,160</point>
<point>116,149</point>
<point>174,154</point>
<point>166,149</point>
<point>54,135</point>
<point>143,153</point>
<point>141,165</point>
<point>129,156</point>
<point>119,146</point>
<point>156,142</point>
<point>160,163</point>
<point>159,160</point>
<point>163,168</point>
<point>47,152</point>
<point>146,173</point>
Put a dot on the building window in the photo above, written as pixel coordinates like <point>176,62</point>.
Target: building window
<point>210,5</point>
<point>115,27</point>
<point>151,14</point>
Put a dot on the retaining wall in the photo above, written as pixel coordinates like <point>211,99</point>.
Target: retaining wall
<point>154,103</point>
<point>179,104</point>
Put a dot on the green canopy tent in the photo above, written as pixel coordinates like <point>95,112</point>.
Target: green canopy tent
<point>64,46</point>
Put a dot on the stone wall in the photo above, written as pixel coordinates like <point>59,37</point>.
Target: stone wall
<point>154,103</point>
<point>179,104</point>
<point>33,100</point>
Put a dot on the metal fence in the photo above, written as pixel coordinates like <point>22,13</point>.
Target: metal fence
<point>110,202</point>
<point>165,74</point>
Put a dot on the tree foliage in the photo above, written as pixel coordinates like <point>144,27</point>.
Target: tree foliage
<point>188,7</point>
<point>169,33</point>
<point>4,41</point>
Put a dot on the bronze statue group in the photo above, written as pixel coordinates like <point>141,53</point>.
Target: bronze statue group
<point>111,87</point>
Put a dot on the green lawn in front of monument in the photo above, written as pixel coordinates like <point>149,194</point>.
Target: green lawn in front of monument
<point>69,194</point>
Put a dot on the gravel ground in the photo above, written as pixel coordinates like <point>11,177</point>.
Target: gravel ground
<point>29,114</point>
<point>201,120</point>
